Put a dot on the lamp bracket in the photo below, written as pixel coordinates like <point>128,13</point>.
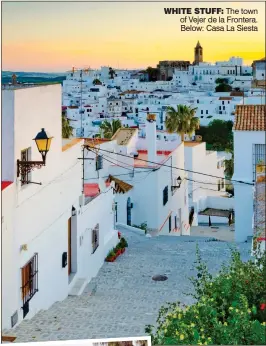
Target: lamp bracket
<point>24,167</point>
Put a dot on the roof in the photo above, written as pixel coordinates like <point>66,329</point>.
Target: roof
<point>215,212</point>
<point>142,161</point>
<point>131,92</point>
<point>5,184</point>
<point>191,143</point>
<point>120,185</point>
<point>250,118</point>
<point>124,135</point>
<point>237,93</point>
<point>69,143</point>
<point>198,45</point>
<point>91,190</point>
<point>225,98</point>
<point>95,141</point>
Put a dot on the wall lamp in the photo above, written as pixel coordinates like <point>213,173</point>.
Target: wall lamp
<point>178,183</point>
<point>43,142</point>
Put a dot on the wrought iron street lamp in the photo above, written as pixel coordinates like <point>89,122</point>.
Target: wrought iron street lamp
<point>43,142</point>
<point>178,184</point>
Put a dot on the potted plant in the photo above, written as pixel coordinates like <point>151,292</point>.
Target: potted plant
<point>123,242</point>
<point>111,256</point>
<point>118,249</point>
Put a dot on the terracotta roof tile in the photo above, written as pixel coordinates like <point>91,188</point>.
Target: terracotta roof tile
<point>237,93</point>
<point>250,118</point>
<point>225,98</point>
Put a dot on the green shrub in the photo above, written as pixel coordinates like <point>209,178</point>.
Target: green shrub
<point>142,226</point>
<point>111,253</point>
<point>123,242</point>
<point>230,308</point>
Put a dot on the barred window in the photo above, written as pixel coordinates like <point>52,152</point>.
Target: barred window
<point>259,156</point>
<point>95,238</point>
<point>29,278</point>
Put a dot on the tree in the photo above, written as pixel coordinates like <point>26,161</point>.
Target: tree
<point>97,82</point>
<point>111,73</point>
<point>181,120</point>
<point>67,130</point>
<point>223,88</point>
<point>229,165</point>
<point>221,81</point>
<point>219,134</point>
<point>152,73</point>
<point>108,129</point>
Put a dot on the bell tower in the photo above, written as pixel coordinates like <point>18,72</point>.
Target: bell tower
<point>198,54</point>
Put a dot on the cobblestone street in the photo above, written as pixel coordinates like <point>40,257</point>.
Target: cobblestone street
<point>126,298</point>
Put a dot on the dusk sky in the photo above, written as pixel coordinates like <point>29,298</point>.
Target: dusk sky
<point>53,37</point>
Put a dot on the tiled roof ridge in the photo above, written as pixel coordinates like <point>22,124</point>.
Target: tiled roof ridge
<point>250,118</point>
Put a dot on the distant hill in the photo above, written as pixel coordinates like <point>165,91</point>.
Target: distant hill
<point>33,77</point>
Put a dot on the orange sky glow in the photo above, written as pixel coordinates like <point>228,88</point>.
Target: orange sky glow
<point>53,37</point>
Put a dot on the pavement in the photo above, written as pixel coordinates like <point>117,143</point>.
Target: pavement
<point>220,232</point>
<point>125,298</point>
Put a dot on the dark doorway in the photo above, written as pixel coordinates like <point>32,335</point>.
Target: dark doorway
<point>129,211</point>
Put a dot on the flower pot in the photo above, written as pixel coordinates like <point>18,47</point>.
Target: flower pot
<point>110,259</point>
<point>123,250</point>
<point>118,252</point>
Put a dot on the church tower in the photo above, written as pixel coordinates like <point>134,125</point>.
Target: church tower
<point>198,54</point>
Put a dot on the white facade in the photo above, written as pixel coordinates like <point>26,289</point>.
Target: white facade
<point>244,170</point>
<point>198,159</point>
<point>144,202</point>
<point>50,222</point>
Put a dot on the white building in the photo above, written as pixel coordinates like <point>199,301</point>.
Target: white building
<point>259,212</point>
<point>249,150</point>
<point>259,69</point>
<point>206,183</point>
<point>206,73</point>
<point>53,241</point>
<point>137,166</point>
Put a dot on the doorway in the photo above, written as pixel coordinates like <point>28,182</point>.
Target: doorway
<point>69,247</point>
<point>129,211</point>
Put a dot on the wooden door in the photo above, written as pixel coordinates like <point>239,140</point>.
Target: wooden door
<point>69,246</point>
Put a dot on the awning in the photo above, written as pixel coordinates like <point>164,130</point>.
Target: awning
<point>120,186</point>
<point>216,212</point>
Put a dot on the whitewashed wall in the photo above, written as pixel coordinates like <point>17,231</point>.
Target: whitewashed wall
<point>243,171</point>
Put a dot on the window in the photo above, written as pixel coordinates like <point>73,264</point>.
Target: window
<point>99,162</point>
<point>259,156</point>
<point>223,107</point>
<point>222,184</point>
<point>95,238</point>
<point>25,175</point>
<point>29,280</point>
<point>207,111</point>
<point>222,102</point>
<point>165,195</point>
<point>201,112</point>
<point>219,185</point>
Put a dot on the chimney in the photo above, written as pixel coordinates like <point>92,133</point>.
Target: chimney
<point>151,138</point>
